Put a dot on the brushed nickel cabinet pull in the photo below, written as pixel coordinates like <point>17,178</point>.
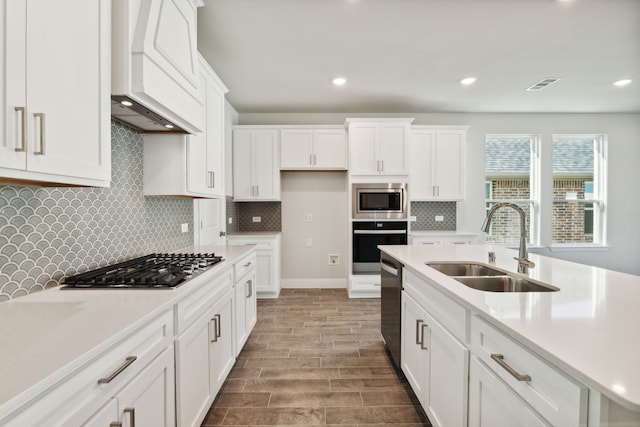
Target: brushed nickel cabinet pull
<point>315,162</point>
<point>116,424</point>
<point>215,329</point>
<point>23,137</point>
<point>418,340</point>
<point>499,358</point>
<point>42,130</point>
<point>381,165</point>
<point>247,264</point>
<point>218,325</point>
<point>132,415</point>
<point>250,283</point>
<point>422,344</point>
<point>311,159</point>
<point>128,361</point>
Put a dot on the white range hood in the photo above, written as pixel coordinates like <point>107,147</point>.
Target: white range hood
<point>155,65</point>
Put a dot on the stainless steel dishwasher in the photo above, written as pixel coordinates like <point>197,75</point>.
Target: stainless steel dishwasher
<point>391,304</point>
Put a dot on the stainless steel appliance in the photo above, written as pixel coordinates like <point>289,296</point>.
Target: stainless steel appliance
<point>391,305</point>
<point>367,235</point>
<point>379,201</point>
<point>157,271</point>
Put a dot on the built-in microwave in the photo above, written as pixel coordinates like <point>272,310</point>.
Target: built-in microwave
<point>379,201</point>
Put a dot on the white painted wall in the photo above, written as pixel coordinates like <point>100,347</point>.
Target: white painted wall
<point>323,195</point>
<point>623,132</point>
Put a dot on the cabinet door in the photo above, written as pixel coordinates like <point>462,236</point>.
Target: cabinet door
<point>243,187</point>
<point>414,358</point>
<point>421,164</point>
<point>296,148</point>
<point>449,165</point>
<point>221,336</point>
<point>68,98</point>
<point>215,123</point>
<point>266,165</point>
<point>493,404</point>
<point>265,271</point>
<point>392,148</point>
<point>194,392</point>
<point>103,416</point>
<point>245,306</point>
<point>329,149</point>
<point>447,377</point>
<point>198,152</point>
<point>362,148</point>
<point>148,400</point>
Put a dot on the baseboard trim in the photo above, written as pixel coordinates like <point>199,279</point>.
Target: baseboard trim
<point>313,283</point>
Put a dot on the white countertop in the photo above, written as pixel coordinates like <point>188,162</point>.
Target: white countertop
<point>46,334</point>
<point>588,329</point>
<point>254,234</point>
<point>442,233</point>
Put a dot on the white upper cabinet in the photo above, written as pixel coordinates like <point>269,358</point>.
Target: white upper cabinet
<point>313,148</point>
<point>54,76</point>
<point>256,172</point>
<point>437,163</point>
<point>190,165</point>
<point>155,58</point>
<point>379,147</point>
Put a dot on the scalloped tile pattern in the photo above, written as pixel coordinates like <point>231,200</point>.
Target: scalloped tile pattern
<point>49,233</point>
<point>425,213</point>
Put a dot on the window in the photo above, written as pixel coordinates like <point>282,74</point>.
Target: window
<point>511,175</point>
<point>578,189</point>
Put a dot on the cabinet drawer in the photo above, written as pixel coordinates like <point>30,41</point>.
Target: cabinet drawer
<point>191,307</point>
<point>241,267</point>
<point>445,310</point>
<point>87,389</point>
<point>559,399</point>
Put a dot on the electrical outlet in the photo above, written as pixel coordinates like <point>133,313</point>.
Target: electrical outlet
<point>309,217</point>
<point>257,219</point>
<point>309,242</point>
<point>334,259</point>
<point>413,218</point>
<point>439,218</point>
<point>184,228</point>
<point>230,220</point>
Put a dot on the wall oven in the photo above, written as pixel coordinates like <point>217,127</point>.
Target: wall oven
<point>367,235</point>
<point>379,201</point>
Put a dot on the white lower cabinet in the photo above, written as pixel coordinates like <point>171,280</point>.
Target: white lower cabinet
<point>245,302</point>
<point>267,260</point>
<point>435,364</point>
<point>204,347</point>
<point>493,404</point>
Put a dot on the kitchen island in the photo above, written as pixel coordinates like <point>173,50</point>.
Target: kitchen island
<point>59,346</point>
<point>585,333</point>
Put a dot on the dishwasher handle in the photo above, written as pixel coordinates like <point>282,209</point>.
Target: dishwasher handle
<point>388,267</point>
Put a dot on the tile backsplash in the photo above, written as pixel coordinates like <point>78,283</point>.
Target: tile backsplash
<point>425,213</point>
<point>49,233</point>
<point>270,214</point>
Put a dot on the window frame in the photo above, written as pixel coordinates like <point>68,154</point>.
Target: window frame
<point>599,199</point>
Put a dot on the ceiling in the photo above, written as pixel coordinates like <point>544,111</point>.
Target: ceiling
<point>408,56</point>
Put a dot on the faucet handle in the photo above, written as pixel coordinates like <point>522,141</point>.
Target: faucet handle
<point>524,265</point>
<point>492,257</point>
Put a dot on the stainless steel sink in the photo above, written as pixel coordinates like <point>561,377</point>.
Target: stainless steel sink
<point>485,278</point>
<point>465,269</point>
<point>505,284</point>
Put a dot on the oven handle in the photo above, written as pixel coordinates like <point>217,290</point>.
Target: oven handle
<point>379,231</point>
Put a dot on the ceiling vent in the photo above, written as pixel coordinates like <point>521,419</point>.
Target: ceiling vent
<point>542,84</point>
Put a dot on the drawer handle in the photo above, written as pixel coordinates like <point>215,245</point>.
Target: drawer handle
<point>418,339</point>
<point>132,416</point>
<point>116,424</point>
<point>247,264</point>
<point>499,358</point>
<point>422,344</point>
<point>128,361</point>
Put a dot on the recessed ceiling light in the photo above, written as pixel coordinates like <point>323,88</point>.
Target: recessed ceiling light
<point>126,103</point>
<point>622,82</point>
<point>339,81</point>
<point>168,126</point>
<point>468,81</point>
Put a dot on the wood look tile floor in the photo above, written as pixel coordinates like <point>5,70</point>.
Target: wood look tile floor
<point>315,357</point>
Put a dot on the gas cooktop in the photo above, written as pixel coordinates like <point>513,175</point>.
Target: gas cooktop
<point>154,271</point>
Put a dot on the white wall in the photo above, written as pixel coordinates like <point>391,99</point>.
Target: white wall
<point>322,195</point>
<point>623,132</point>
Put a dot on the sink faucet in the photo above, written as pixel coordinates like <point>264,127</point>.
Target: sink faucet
<point>523,263</point>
